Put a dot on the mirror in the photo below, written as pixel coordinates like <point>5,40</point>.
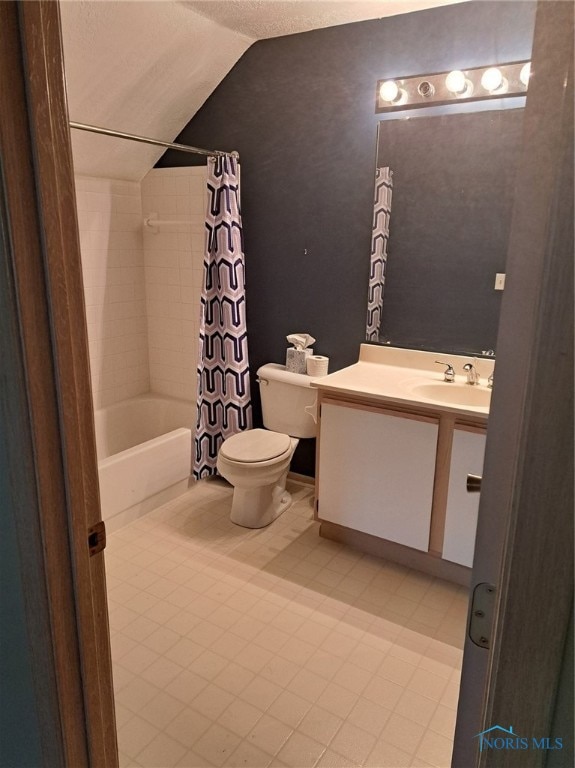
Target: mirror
<point>447,211</point>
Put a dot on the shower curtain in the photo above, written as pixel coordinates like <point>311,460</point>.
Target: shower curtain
<point>224,403</point>
<point>379,240</point>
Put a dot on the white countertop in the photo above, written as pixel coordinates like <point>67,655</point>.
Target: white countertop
<point>403,376</point>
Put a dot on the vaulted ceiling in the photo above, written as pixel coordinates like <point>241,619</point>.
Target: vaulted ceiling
<point>146,67</point>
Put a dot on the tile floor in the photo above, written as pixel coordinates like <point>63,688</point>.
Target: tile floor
<point>275,647</point>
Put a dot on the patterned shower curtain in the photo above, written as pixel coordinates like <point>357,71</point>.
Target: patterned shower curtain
<point>379,240</point>
<point>224,403</point>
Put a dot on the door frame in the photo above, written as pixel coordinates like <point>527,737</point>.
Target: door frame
<point>62,583</point>
<point>524,543</point>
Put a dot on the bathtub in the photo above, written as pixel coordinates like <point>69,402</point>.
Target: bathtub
<point>144,448</point>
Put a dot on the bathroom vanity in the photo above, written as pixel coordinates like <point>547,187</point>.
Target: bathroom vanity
<point>396,444</point>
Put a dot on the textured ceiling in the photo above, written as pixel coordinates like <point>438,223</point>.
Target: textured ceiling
<point>147,66</point>
<point>272,18</point>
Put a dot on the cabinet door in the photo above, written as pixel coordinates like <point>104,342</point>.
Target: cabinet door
<point>376,473</point>
<point>461,515</point>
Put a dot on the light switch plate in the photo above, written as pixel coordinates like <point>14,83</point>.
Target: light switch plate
<point>500,281</point>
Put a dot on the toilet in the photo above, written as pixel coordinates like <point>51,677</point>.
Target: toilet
<point>256,462</point>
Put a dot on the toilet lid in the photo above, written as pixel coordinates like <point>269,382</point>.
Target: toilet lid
<point>255,445</point>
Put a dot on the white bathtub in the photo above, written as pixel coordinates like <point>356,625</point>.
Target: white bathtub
<point>144,450</point>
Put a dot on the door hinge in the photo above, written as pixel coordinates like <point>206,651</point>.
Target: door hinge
<point>481,618</point>
<point>96,538</point>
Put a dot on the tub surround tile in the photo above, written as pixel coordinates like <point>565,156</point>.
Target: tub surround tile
<point>259,662</point>
<point>173,258</point>
<point>111,245</point>
<point>142,290</point>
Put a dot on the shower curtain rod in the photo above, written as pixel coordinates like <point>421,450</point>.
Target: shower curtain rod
<point>156,142</point>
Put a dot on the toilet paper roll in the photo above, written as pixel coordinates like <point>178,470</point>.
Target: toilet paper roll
<point>317,365</point>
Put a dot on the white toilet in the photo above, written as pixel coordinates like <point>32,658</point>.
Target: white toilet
<point>256,462</point>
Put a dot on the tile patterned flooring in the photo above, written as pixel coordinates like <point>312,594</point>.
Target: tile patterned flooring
<point>275,647</point>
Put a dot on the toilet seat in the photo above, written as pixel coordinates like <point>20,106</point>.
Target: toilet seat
<point>255,445</point>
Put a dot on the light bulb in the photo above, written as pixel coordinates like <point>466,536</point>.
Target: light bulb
<point>525,73</point>
<point>456,81</point>
<point>389,91</point>
<point>492,79</point>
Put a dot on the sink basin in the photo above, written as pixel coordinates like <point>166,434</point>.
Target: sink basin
<point>454,394</point>
<point>409,378</point>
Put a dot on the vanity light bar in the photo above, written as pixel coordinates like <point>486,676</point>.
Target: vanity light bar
<point>477,84</point>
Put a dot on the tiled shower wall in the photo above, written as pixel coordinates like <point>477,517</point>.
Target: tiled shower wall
<point>174,259</point>
<point>110,224</point>
<point>142,287</point>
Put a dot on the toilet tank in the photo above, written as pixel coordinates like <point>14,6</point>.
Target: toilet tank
<point>285,397</point>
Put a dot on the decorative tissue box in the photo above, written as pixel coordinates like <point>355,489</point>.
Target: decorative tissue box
<point>296,359</point>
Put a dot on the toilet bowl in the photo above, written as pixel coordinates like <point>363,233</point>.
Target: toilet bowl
<point>256,462</point>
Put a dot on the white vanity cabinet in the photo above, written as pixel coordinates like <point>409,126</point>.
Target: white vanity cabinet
<point>376,472</point>
<point>467,452</point>
<point>395,445</point>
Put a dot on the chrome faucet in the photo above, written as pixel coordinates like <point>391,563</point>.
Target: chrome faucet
<point>472,375</point>
<point>449,374</point>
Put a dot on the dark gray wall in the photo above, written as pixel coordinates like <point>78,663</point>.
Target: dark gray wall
<point>20,745</point>
<point>19,725</point>
<point>301,112</point>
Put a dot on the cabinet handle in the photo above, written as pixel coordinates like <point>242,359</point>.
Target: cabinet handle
<point>473,483</point>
